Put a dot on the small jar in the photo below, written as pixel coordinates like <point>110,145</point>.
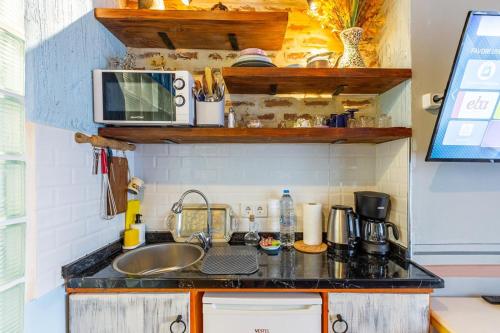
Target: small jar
<point>231,118</point>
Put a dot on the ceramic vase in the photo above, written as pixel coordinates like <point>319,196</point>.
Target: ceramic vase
<point>151,4</point>
<point>351,57</point>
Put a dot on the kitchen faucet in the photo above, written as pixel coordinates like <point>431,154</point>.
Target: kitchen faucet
<point>204,238</point>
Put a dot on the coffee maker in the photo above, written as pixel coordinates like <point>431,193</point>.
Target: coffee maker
<point>372,209</point>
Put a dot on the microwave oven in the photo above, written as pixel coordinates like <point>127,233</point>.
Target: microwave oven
<point>143,98</point>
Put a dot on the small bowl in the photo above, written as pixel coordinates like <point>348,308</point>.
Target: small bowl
<point>272,250</point>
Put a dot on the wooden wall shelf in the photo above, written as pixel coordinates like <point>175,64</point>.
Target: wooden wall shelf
<point>255,135</point>
<point>188,29</point>
<point>274,80</point>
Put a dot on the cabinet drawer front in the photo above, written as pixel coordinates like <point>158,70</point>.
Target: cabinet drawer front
<point>380,313</point>
<point>127,312</point>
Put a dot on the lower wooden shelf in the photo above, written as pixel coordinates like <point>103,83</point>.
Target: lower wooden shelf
<point>255,135</point>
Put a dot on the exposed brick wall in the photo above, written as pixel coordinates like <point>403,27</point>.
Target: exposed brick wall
<point>304,37</point>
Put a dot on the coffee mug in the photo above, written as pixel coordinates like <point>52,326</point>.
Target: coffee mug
<point>135,185</point>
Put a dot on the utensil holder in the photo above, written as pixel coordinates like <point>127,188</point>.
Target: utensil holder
<point>210,114</point>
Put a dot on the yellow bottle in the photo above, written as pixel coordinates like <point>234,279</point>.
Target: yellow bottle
<point>131,239</point>
<point>131,236</point>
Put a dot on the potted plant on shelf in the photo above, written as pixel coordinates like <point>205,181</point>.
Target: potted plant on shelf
<point>348,18</point>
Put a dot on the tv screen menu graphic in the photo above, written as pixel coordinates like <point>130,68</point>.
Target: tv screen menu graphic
<point>468,126</point>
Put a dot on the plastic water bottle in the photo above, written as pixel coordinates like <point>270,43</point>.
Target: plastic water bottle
<point>287,220</point>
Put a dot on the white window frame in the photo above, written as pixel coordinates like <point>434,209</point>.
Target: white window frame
<point>18,33</point>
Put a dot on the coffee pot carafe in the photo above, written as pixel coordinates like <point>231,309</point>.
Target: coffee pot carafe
<point>375,235</point>
<point>343,232</point>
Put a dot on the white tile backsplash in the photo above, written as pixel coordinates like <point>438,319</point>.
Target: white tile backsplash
<point>236,173</point>
<point>392,174</point>
<point>66,216</point>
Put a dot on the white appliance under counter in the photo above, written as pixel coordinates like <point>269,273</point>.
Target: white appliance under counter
<point>262,312</point>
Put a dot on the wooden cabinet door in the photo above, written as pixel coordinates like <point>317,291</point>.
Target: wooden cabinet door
<point>379,313</point>
<point>93,313</point>
<point>128,312</point>
<point>162,311</point>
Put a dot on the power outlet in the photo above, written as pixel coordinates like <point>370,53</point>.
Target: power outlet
<point>258,209</point>
<point>246,209</point>
<point>432,101</point>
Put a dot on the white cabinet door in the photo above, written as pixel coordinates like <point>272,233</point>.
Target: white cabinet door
<point>128,312</point>
<point>379,313</point>
<point>93,313</point>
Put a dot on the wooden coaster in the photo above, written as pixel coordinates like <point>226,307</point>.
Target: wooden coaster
<point>300,246</point>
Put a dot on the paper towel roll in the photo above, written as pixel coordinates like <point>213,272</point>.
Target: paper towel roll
<point>312,223</point>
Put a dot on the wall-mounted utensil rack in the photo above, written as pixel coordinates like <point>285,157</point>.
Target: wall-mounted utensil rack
<point>275,80</point>
<point>255,135</point>
<point>189,29</point>
<point>101,142</point>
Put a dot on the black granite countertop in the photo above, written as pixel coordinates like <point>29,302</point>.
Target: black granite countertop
<point>288,269</point>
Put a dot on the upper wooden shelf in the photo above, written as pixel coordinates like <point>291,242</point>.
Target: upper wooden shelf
<point>274,80</point>
<point>254,135</point>
<point>188,29</point>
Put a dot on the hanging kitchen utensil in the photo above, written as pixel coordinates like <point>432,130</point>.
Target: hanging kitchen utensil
<point>208,80</point>
<point>106,192</point>
<point>118,181</point>
<point>95,160</point>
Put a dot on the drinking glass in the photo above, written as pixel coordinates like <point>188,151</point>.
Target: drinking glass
<point>384,121</point>
<point>366,121</point>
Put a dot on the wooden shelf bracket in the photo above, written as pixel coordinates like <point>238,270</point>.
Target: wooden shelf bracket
<point>233,41</point>
<point>339,90</point>
<point>273,89</point>
<point>168,42</point>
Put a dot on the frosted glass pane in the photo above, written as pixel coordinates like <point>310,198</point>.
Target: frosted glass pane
<point>11,309</point>
<point>11,252</point>
<point>12,15</point>
<point>11,125</point>
<point>12,191</point>
<point>11,63</point>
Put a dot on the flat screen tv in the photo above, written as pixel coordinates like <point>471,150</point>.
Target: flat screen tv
<point>468,124</point>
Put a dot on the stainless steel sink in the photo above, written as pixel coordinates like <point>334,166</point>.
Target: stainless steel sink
<point>157,259</point>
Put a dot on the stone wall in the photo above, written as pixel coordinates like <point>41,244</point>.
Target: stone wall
<point>304,37</point>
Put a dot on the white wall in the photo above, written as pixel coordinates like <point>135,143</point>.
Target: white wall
<point>454,206</point>
<point>64,222</point>
<point>63,43</point>
<point>46,314</point>
<point>67,219</point>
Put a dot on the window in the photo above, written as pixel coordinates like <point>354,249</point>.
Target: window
<point>12,166</point>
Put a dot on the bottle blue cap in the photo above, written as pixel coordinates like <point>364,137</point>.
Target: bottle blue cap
<point>286,191</point>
